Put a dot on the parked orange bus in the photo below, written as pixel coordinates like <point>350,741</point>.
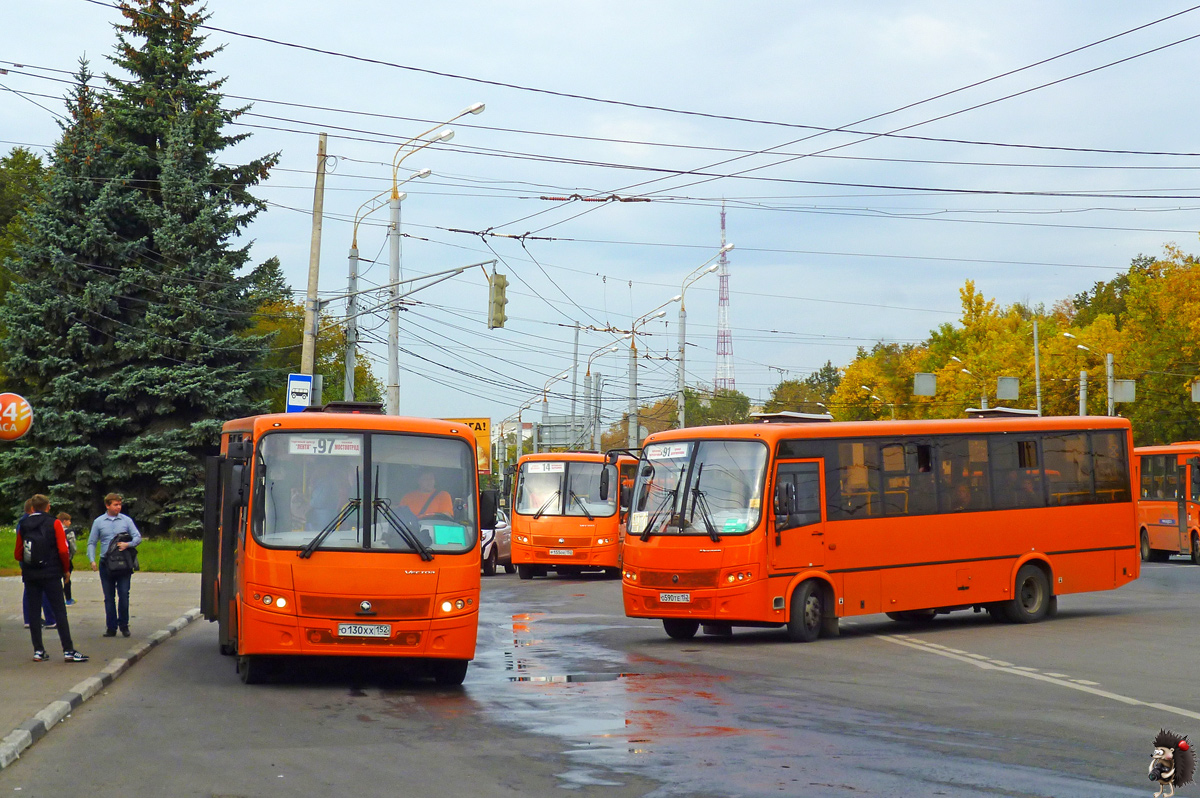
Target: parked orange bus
<point>798,525</point>
<point>343,532</point>
<point>1169,509</point>
<point>558,519</point>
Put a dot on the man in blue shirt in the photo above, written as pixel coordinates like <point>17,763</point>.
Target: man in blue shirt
<point>115,586</point>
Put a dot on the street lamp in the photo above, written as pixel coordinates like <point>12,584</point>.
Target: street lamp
<point>700,271</point>
<point>546,403</point>
<point>393,387</point>
<point>352,294</point>
<point>634,438</point>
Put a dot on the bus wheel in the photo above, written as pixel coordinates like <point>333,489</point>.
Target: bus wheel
<point>1031,595</point>
<point>913,616</point>
<point>804,625</point>
<point>252,670</point>
<point>509,568</point>
<point>450,672</point>
<point>1195,548</point>
<point>525,571</point>
<point>1145,547</point>
<point>489,565</point>
<point>680,629</point>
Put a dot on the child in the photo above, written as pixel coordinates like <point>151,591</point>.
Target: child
<point>72,547</point>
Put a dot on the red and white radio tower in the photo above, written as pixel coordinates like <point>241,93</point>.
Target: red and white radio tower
<point>724,379</point>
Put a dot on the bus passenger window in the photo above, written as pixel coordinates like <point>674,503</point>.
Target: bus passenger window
<point>856,478</point>
<point>1111,468</point>
<point>1068,469</point>
<point>1147,485</point>
<point>963,476</point>
<point>1171,478</point>
<point>1016,474</point>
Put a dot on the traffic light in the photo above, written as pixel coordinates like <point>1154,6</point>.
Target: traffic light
<point>497,283</point>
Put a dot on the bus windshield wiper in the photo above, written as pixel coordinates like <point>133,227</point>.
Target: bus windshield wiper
<point>700,502</point>
<point>384,508</point>
<point>575,498</point>
<point>542,509</point>
<point>349,507</point>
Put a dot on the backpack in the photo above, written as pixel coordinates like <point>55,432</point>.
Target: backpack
<point>72,543</point>
<point>121,561</point>
<point>37,535</point>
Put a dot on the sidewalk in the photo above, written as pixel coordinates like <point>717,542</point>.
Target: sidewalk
<point>156,600</point>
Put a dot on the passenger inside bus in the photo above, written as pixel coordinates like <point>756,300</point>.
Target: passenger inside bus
<point>331,486</point>
<point>427,500</point>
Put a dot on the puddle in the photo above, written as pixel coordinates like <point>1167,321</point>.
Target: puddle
<point>575,677</point>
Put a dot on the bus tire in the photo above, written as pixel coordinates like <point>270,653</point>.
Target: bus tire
<point>525,571</point>
<point>913,616</point>
<point>449,672</point>
<point>680,628</point>
<point>228,649</point>
<point>1031,595</point>
<point>251,669</point>
<point>1195,549</point>
<point>805,621</point>
<point>489,565</point>
<point>1144,546</point>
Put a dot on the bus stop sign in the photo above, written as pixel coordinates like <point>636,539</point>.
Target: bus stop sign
<point>299,392</point>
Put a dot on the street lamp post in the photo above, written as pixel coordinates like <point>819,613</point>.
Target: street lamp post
<point>699,272</point>
<point>634,436</point>
<point>546,398</point>
<point>393,387</point>
<point>588,434</point>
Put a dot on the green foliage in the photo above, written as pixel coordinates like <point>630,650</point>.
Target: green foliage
<point>722,406</point>
<point>20,186</point>
<point>130,328</point>
<point>809,395</point>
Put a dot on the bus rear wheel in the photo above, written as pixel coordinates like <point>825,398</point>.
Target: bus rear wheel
<point>525,571</point>
<point>1195,549</point>
<point>489,565</point>
<point>804,624</point>
<point>449,672</point>
<point>680,628</point>
<point>1031,596</point>
<point>1144,546</point>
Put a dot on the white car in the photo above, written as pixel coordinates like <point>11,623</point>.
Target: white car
<point>495,546</point>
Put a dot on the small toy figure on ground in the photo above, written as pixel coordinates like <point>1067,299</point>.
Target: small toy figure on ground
<point>1173,763</point>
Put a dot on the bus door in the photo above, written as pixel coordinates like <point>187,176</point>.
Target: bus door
<point>796,537</point>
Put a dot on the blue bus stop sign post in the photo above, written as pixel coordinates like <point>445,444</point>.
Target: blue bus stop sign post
<point>299,392</point>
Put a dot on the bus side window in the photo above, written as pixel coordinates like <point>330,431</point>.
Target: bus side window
<point>803,481</point>
<point>1016,472</point>
<point>1171,478</point>
<point>1068,468</point>
<point>1147,484</point>
<point>856,476</point>
<point>963,475</point>
<point>1111,467</point>
<point>1195,463</point>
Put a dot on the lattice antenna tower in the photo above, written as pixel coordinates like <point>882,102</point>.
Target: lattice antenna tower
<point>724,379</point>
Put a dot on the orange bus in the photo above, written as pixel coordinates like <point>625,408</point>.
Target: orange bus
<point>1169,509</point>
<point>343,532</point>
<point>798,525</point>
<point>558,519</point>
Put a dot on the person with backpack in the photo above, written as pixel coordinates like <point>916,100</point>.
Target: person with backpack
<point>45,566</point>
<point>49,622</point>
<point>114,532</point>
<point>72,547</point>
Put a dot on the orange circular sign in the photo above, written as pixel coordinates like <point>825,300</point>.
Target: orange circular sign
<point>16,416</point>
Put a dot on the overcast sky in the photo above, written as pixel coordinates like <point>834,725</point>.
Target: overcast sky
<point>868,240</point>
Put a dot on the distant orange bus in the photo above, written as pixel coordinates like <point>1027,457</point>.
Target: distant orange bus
<point>344,532</point>
<point>559,521</point>
<point>798,525</point>
<point>1169,508</point>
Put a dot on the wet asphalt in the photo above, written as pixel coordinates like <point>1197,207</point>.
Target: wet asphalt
<point>566,695</point>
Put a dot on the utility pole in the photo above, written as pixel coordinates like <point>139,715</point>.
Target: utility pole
<point>311,309</point>
<point>1112,383</point>
<point>1083,393</point>
<point>632,441</point>
<point>351,327</point>
<point>597,438</point>
<point>393,386</point>
<point>1037,369</point>
<point>574,385</point>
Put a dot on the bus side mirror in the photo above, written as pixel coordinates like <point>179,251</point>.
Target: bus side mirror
<point>241,485</point>
<point>626,496</point>
<point>604,484</point>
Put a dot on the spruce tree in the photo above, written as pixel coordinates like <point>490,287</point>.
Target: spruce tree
<point>135,342</point>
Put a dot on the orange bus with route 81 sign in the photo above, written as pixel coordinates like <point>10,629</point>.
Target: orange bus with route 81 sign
<point>340,531</point>
<point>798,525</point>
<point>1169,507</point>
<point>559,520</point>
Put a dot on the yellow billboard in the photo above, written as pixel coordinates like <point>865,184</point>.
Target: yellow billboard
<point>483,440</point>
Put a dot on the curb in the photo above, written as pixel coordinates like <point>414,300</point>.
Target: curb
<point>40,724</point>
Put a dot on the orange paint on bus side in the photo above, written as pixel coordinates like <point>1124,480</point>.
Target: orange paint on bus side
<point>1165,525</point>
<point>534,539</point>
<point>406,591</point>
<point>881,563</point>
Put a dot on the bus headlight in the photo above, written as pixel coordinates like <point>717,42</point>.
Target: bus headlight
<point>631,576</point>
<point>733,577</point>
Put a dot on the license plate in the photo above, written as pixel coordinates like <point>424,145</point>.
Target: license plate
<point>562,552</point>
<point>675,598</point>
<point>364,630</point>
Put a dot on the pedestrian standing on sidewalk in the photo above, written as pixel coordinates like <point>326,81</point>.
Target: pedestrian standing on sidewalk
<point>72,547</point>
<point>42,552</point>
<point>115,585</point>
<point>47,612</point>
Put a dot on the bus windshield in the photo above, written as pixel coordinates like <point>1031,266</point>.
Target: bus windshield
<point>317,490</point>
<point>711,488</point>
<point>569,488</point>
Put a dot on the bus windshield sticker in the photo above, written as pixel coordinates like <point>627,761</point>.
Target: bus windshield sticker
<point>545,468</point>
<point>667,451</point>
<point>445,535</point>
<point>734,525</point>
<point>637,522</point>
<point>325,445</point>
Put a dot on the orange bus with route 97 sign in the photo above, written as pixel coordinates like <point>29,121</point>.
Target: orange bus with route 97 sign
<point>343,532</point>
<point>798,525</point>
